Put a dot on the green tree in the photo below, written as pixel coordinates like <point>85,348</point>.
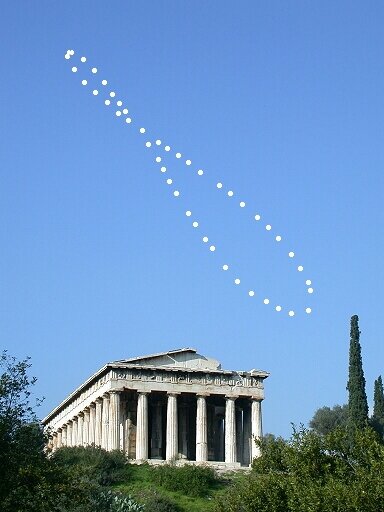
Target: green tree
<point>377,419</point>
<point>312,473</point>
<point>326,419</point>
<point>357,399</point>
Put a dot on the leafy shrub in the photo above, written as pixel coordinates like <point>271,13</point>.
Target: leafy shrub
<point>189,479</point>
<point>95,464</point>
<point>155,502</point>
<point>116,502</point>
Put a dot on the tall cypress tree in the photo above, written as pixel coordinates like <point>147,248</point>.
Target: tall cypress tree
<point>357,401</point>
<point>378,406</point>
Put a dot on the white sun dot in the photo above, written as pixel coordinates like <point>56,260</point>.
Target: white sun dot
<point>94,70</point>
<point>278,308</point>
<point>230,193</point>
<point>278,238</point>
<point>118,113</point>
<point>188,162</point>
<point>163,169</point>
<point>300,268</point>
<point>104,82</point>
<point>169,181</point>
<point>142,130</point>
<point>291,313</point>
<point>178,155</point>
<point>212,248</point>
<point>205,239</point>
<point>176,193</point>
<point>148,144</point>
<point>83,59</point>
<point>291,254</point>
<point>112,94</point>
<point>200,172</point>
<point>268,227</point>
<point>188,213</point>
<point>158,159</point>
<point>308,310</point>
<point>310,290</point>
<point>257,217</point>
<point>125,111</point>
<point>167,148</point>
<point>119,103</point>
<point>237,281</point>
<point>74,69</point>
<point>251,293</point>
<point>158,142</point>
<point>266,301</point>
<point>308,282</point>
<point>128,120</point>
<point>71,52</point>
<point>107,102</point>
<point>219,185</point>
<point>67,56</point>
<point>195,224</point>
<point>84,82</point>
<point>95,92</point>
<point>225,267</point>
<point>242,204</point>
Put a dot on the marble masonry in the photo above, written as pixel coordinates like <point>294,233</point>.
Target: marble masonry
<point>167,406</point>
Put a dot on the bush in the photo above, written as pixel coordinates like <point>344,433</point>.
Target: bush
<point>116,502</point>
<point>155,502</point>
<point>92,463</point>
<point>189,479</point>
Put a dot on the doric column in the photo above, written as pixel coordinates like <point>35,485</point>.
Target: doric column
<point>86,427</point>
<point>230,430</point>
<point>201,429</point>
<point>142,427</point>
<point>74,431</point>
<point>172,427</point>
<point>98,419</point>
<point>64,435</point>
<point>105,422</point>
<point>91,427</point>
<point>59,438</point>
<point>69,433</point>
<point>54,441</point>
<point>257,430</point>
<point>80,429</point>
<point>114,420</point>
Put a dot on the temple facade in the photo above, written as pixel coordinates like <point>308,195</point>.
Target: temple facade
<point>176,405</point>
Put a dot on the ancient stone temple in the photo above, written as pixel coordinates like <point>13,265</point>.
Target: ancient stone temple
<point>168,406</point>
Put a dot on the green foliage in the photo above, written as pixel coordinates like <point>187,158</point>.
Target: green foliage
<point>313,473</point>
<point>92,463</point>
<point>156,502</point>
<point>377,420</point>
<point>326,419</point>
<point>189,479</point>
<point>109,501</point>
<point>357,400</point>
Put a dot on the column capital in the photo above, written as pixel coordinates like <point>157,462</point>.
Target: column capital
<point>203,395</point>
<point>99,400</point>
<point>114,391</point>
<point>92,405</point>
<point>173,393</point>
<point>229,397</point>
<point>80,414</point>
<point>143,392</point>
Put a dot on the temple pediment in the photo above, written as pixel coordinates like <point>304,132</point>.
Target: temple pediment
<point>180,358</point>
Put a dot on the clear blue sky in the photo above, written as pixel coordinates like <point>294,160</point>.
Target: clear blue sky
<point>280,101</point>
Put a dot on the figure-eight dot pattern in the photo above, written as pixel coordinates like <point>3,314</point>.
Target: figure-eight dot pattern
<point>176,193</point>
